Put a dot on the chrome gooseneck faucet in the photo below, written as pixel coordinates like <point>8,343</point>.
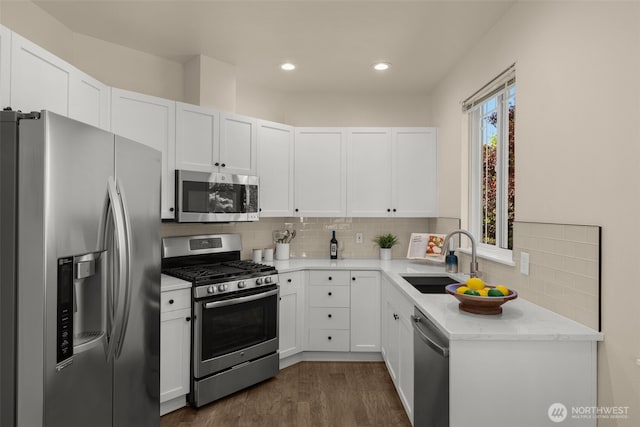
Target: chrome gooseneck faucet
<point>473,269</point>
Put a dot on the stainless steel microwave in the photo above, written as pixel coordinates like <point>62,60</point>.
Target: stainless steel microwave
<point>216,197</point>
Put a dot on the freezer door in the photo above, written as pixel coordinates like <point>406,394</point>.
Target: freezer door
<point>137,360</point>
<point>63,170</point>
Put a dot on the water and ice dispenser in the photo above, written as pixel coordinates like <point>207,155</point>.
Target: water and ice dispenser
<point>81,305</point>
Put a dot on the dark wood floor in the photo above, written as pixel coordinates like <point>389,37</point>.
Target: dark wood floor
<point>306,394</point>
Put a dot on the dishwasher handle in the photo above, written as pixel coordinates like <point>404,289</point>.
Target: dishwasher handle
<point>444,351</point>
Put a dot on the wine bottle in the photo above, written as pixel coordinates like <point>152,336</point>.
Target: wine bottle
<point>333,247</point>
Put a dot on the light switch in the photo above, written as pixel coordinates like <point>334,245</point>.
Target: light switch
<point>359,238</point>
<point>524,263</point>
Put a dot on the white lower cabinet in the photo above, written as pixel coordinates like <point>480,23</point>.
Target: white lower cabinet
<point>365,311</point>
<point>175,346</point>
<point>291,319</point>
<point>397,342</point>
<point>327,311</point>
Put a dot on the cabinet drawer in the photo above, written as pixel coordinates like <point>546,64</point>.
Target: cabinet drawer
<point>290,283</point>
<point>328,296</point>
<point>328,339</point>
<point>326,277</point>
<point>175,300</point>
<point>328,318</point>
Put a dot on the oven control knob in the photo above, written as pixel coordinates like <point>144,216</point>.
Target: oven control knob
<point>241,284</point>
<point>259,281</point>
<point>222,288</point>
<point>211,289</point>
<point>267,280</point>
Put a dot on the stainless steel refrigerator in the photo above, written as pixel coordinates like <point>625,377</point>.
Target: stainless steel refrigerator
<point>80,275</point>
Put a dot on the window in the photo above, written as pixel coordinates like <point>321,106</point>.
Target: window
<point>492,114</point>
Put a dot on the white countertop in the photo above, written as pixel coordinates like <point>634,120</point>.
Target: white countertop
<point>170,283</point>
<point>520,320</point>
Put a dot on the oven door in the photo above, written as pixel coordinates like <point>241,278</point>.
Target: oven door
<point>215,197</point>
<point>234,329</point>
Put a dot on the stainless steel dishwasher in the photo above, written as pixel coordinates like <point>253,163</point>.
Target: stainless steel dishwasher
<point>431,373</point>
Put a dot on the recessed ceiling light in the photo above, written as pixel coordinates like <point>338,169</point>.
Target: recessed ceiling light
<point>381,66</point>
<point>288,66</point>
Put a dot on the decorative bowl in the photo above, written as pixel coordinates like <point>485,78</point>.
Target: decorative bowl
<point>479,304</point>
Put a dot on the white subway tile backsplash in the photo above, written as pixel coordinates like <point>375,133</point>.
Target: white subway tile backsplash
<point>564,259</point>
<point>564,271</point>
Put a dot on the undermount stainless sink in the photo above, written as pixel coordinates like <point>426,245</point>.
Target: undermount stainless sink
<point>430,284</point>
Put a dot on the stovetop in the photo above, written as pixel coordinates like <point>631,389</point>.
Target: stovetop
<point>212,264</point>
<point>209,274</point>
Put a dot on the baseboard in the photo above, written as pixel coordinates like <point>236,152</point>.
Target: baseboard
<point>329,356</point>
<point>173,404</point>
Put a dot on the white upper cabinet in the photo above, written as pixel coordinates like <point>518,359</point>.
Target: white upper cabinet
<point>237,144</point>
<point>150,121</point>
<point>39,79</point>
<point>42,81</point>
<point>392,172</point>
<point>320,172</point>
<point>211,141</point>
<point>369,172</point>
<point>414,179</point>
<point>89,100</point>
<point>5,67</point>
<point>197,138</point>
<point>275,169</point>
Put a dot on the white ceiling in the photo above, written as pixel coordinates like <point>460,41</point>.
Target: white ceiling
<point>333,43</point>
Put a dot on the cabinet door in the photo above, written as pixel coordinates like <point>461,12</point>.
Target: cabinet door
<point>197,138</point>
<point>369,172</point>
<point>5,67</point>
<point>238,148</point>
<point>39,79</point>
<point>175,346</point>
<point>150,121</point>
<point>291,322</point>
<point>415,172</point>
<point>405,362</point>
<point>275,169</point>
<point>89,100</point>
<point>391,350</point>
<point>365,311</point>
<point>320,172</point>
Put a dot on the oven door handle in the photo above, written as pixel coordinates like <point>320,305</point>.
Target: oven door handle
<point>241,299</point>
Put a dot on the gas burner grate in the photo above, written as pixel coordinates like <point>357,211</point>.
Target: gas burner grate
<point>206,274</point>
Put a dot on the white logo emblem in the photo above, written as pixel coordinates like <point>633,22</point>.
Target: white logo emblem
<point>557,412</point>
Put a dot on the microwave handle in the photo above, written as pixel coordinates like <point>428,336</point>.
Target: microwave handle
<point>240,300</point>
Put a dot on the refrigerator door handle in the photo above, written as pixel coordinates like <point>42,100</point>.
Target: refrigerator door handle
<point>127,282</point>
<point>116,290</point>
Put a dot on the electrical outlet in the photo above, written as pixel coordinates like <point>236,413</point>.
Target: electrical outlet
<point>524,263</point>
<point>359,238</point>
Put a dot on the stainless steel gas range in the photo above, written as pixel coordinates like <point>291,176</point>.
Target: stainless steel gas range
<point>235,314</point>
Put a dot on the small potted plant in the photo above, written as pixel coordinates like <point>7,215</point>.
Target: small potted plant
<point>386,242</point>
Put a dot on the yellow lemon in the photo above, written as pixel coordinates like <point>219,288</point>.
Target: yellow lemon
<point>475,283</point>
<point>503,289</point>
<point>484,292</point>
<point>462,289</point>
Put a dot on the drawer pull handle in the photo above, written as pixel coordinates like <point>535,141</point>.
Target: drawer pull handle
<point>289,280</point>
<point>170,301</point>
<point>353,278</point>
<point>188,319</point>
<point>330,278</point>
<point>329,293</point>
<point>329,316</point>
<point>329,338</point>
